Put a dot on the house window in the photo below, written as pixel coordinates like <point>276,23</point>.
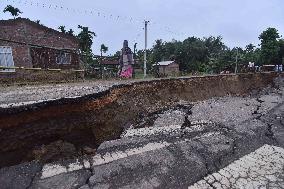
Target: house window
<point>6,59</point>
<point>63,58</point>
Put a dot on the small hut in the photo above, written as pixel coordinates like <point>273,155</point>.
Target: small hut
<point>168,68</point>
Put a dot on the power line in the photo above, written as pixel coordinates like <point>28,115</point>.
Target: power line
<point>98,14</point>
<point>78,11</point>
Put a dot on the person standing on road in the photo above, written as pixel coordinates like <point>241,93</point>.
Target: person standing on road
<point>126,61</point>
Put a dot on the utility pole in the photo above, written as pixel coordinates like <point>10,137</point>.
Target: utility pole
<point>134,57</point>
<point>236,68</point>
<point>135,49</point>
<point>145,53</point>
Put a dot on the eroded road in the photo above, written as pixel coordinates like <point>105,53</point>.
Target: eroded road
<point>229,142</point>
<point>22,95</point>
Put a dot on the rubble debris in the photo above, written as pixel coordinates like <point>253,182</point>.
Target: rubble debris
<point>54,151</point>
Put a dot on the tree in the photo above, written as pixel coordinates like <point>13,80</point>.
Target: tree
<point>103,49</point>
<point>249,54</point>
<point>85,38</point>
<point>117,54</point>
<point>270,46</point>
<point>250,48</point>
<point>217,54</point>
<point>157,52</point>
<point>211,55</point>
<point>214,46</point>
<point>62,29</point>
<point>70,32</point>
<point>12,10</point>
<point>281,50</point>
<point>194,55</point>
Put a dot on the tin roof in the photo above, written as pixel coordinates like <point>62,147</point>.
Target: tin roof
<point>165,63</point>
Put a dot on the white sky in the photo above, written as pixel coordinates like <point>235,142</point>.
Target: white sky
<point>239,22</point>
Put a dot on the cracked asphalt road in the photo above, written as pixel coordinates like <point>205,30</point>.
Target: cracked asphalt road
<point>230,142</point>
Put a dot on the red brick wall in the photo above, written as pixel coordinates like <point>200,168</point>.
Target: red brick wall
<point>46,58</point>
<point>25,31</point>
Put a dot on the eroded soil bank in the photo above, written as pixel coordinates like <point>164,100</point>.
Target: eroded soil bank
<point>71,127</point>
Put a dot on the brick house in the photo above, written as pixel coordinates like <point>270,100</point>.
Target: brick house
<point>110,63</point>
<point>24,43</point>
<point>170,68</point>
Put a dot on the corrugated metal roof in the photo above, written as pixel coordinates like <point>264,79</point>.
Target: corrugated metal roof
<point>165,63</point>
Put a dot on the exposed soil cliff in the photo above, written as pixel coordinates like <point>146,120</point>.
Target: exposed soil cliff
<point>89,120</point>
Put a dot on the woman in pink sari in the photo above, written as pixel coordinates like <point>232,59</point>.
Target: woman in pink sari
<point>126,61</point>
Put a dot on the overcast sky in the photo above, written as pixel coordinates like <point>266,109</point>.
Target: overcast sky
<point>239,22</point>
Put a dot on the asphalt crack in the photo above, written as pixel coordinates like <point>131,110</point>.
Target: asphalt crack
<point>34,176</point>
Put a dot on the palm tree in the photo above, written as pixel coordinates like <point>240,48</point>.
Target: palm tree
<point>71,32</point>
<point>104,49</point>
<point>85,38</point>
<point>14,11</point>
<point>62,29</point>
